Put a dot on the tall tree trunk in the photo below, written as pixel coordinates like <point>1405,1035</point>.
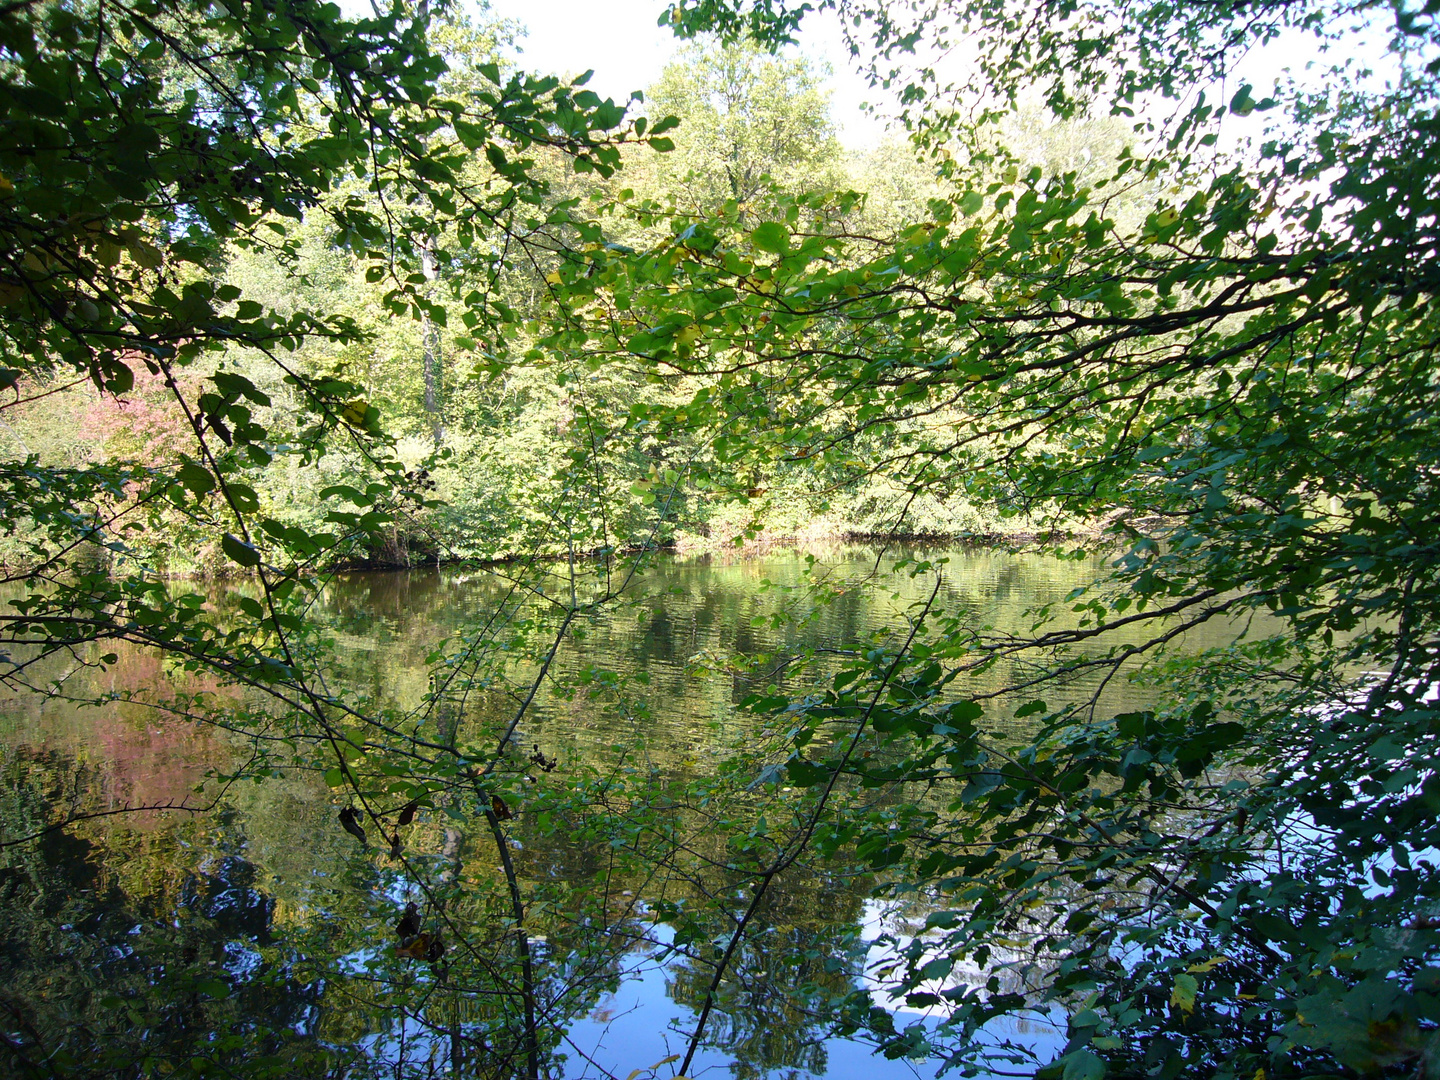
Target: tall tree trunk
<point>432,359</point>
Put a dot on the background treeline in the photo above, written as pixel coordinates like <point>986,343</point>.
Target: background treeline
<point>742,134</point>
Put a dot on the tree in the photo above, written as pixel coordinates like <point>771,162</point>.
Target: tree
<point>749,118</point>
<point>1238,391</point>
<point>142,143</point>
<point>1235,388</point>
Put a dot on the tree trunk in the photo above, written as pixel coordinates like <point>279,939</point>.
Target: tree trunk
<point>432,359</point>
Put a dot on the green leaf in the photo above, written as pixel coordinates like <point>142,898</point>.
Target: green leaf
<point>771,236</point>
<point>196,479</point>
<point>1083,1064</point>
<point>238,551</point>
<point>244,497</point>
<point>472,136</point>
<point>237,386</point>
<point>346,492</point>
<point>215,988</point>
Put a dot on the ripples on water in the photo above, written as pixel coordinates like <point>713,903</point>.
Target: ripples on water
<point>110,906</point>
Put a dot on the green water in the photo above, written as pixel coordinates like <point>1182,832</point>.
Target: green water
<point>228,922</point>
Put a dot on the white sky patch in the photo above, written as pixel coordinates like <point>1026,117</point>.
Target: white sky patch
<point>618,39</point>
<point>621,42</point>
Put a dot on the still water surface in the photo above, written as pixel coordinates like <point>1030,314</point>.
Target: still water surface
<point>257,888</point>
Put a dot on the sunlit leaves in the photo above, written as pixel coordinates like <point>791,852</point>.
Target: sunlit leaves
<point>772,237</point>
<point>1225,361</point>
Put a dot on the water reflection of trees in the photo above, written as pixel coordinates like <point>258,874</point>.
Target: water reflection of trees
<point>774,1008</point>
<point>118,948</point>
<point>258,922</point>
<point>265,920</point>
<point>126,948</point>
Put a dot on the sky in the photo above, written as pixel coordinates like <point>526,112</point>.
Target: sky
<point>620,40</point>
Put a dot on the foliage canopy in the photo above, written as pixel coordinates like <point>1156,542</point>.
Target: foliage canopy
<point>1241,386</point>
<point>1217,355</point>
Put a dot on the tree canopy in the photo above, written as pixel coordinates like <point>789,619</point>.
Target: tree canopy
<point>1207,348</point>
<point>1239,386</point>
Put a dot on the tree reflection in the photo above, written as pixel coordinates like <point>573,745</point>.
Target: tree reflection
<point>260,939</point>
<point>775,1005</point>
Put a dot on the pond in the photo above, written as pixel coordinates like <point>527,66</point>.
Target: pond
<point>232,920</point>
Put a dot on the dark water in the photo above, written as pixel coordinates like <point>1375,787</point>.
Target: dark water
<point>233,920</point>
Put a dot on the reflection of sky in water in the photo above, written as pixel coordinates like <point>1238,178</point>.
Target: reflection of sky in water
<point>640,1025</point>
<point>241,961</point>
<point>1042,1032</point>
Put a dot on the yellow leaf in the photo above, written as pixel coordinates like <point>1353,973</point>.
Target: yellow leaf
<point>414,948</point>
<point>1183,995</point>
<point>1208,965</point>
<point>553,278</point>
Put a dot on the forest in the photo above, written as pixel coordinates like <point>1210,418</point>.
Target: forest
<point>1138,292</point>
